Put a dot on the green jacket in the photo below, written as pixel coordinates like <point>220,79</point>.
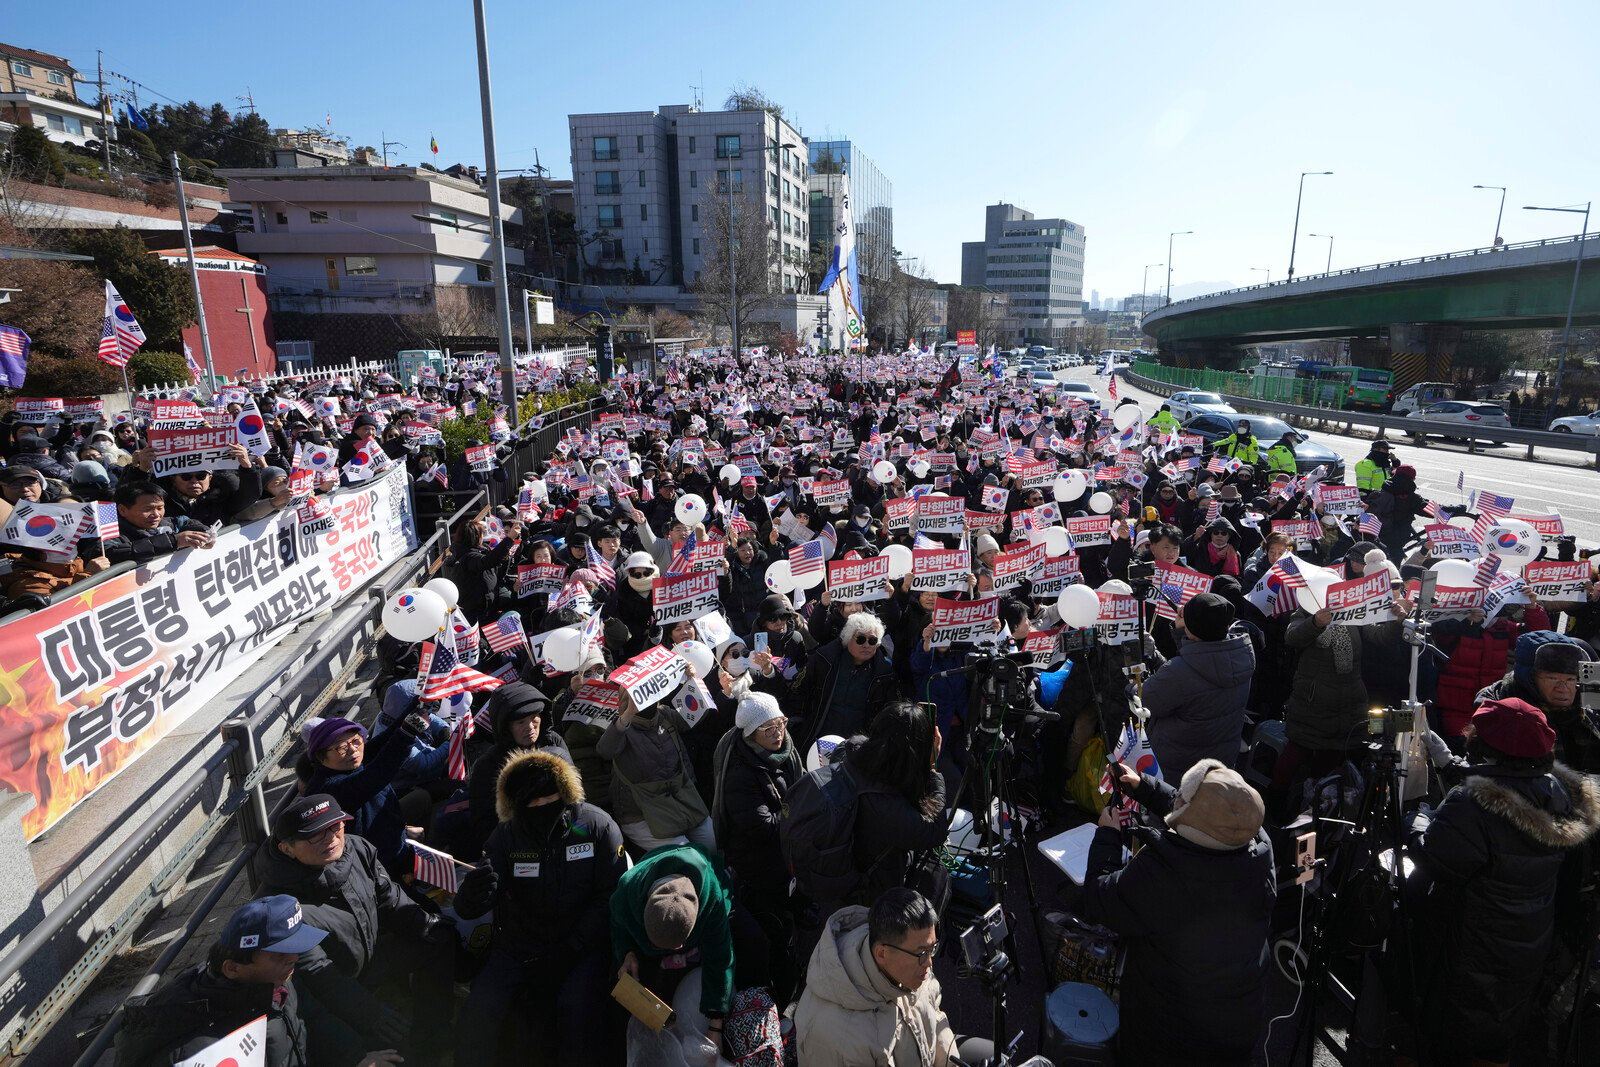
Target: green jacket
<point>1370,476</point>
<point>711,934</point>
<point>1163,420</point>
<point>1280,458</point>
<point>1245,451</point>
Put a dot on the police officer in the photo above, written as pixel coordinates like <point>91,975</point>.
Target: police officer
<point>1163,421</point>
<point>1373,471</point>
<point>1241,444</point>
<point>553,863</point>
<point>1280,457</point>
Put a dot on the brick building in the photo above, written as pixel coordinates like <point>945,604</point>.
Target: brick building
<point>234,289</point>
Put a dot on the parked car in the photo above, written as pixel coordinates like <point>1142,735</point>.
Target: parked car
<point>1308,454</point>
<point>1188,405</point>
<point>1043,374</point>
<point>1418,396</point>
<point>1082,390</point>
<point>1473,416</point>
<point>1589,423</point>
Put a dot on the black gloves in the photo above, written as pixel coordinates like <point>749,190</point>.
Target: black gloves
<point>475,893</point>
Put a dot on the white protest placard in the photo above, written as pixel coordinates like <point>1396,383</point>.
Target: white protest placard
<point>897,512</point>
<point>941,514</point>
<point>595,703</point>
<point>1017,564</point>
<point>1090,530</point>
<point>651,675</point>
<point>1339,499</point>
<point>1450,542</point>
<point>1056,574</point>
<point>481,457</point>
<point>1039,474</point>
<point>1558,581</point>
<point>1449,603</point>
<point>38,410</point>
<point>1119,620</point>
<point>684,597</point>
<point>200,449</point>
<point>1041,645</point>
<point>245,1047</point>
<point>536,578</point>
<point>1361,601</point>
<point>1503,589</point>
<point>1303,531</point>
<point>859,580</point>
<point>1548,526</point>
<point>983,521</point>
<point>964,621</point>
<point>939,570</point>
<point>831,494</point>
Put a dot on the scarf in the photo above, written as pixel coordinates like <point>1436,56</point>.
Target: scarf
<point>1337,638</point>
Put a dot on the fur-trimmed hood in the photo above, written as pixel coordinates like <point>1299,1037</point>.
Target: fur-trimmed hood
<point>524,762</point>
<point>1570,816</point>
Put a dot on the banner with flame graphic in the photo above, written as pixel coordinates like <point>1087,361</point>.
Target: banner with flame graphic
<point>95,680</point>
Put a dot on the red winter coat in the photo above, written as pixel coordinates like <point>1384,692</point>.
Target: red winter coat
<point>1479,659</point>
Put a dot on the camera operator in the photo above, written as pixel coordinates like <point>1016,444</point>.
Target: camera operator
<point>1194,908</point>
<point>1490,860</point>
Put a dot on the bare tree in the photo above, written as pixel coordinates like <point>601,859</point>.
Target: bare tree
<point>740,247</point>
<point>746,97</point>
<point>910,306</point>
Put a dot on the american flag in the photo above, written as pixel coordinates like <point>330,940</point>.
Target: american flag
<point>737,523</point>
<point>1111,386</point>
<point>457,756</point>
<point>106,520</point>
<point>447,675</point>
<point>506,633</point>
<point>1491,508</point>
<point>1488,567</point>
<point>1107,474</point>
<point>603,570</point>
<point>14,346</point>
<point>438,474</point>
<point>120,333</point>
<point>682,561</point>
<point>1213,511</point>
<point>1370,524</point>
<point>829,539</point>
<point>1289,571</point>
<point>807,558</point>
<point>433,867</point>
<point>1461,481</point>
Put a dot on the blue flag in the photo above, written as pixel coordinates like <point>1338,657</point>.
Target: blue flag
<point>135,119</point>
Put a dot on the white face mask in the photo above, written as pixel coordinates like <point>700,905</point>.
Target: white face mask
<point>737,665</point>
<point>640,585</point>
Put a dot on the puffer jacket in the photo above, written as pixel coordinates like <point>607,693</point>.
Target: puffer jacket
<point>1577,730</point>
<point>1196,922</point>
<point>1197,702</point>
<point>1490,858</point>
<point>195,1008</point>
<point>751,787</point>
<point>368,795</point>
<point>1327,708</point>
<point>554,889</point>
<point>482,795</point>
<point>1478,657</point>
<point>650,750</point>
<point>852,1014</point>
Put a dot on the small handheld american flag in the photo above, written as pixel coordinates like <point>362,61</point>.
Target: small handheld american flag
<point>447,675</point>
<point>1487,568</point>
<point>602,569</point>
<point>807,558</point>
<point>1370,524</point>
<point>457,756</point>
<point>1289,571</point>
<point>506,633</point>
<point>433,867</point>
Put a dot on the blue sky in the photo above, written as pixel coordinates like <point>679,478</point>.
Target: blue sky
<point>1131,120</point>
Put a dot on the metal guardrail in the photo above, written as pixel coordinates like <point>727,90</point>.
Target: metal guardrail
<point>1401,424</point>
<point>245,803</point>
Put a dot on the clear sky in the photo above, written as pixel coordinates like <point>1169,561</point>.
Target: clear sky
<point>1133,120</point>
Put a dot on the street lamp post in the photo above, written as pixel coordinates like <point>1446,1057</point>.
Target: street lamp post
<point>1297,198</point>
<point>1572,298</point>
<point>1329,268</point>
<point>733,268</point>
<point>1144,286</point>
<point>497,233</point>
<point>1498,215</point>
<point>1264,270</point>
<point>1170,236</point>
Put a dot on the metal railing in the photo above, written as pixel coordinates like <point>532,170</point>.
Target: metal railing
<point>1283,283</point>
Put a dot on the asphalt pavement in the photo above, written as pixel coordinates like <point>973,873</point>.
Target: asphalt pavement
<point>1553,481</point>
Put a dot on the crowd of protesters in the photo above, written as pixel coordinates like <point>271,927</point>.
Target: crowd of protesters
<point>472,872</point>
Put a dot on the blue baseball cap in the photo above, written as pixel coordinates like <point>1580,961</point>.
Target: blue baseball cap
<point>271,924</point>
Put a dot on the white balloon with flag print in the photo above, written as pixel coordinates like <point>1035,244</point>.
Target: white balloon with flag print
<point>414,614</point>
<point>778,578</point>
<point>1514,541</point>
<point>1126,416</point>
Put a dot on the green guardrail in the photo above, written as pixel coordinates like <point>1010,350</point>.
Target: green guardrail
<point>1274,388</point>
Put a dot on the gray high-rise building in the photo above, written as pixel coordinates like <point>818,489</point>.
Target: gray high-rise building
<point>872,200</point>
<point>1037,262</point>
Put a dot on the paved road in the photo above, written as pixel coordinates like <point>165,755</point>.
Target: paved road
<point>1553,482</point>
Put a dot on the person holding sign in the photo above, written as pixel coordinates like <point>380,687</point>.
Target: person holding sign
<point>653,793</point>
<point>553,863</point>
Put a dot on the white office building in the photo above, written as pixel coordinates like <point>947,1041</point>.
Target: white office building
<point>1037,263</point>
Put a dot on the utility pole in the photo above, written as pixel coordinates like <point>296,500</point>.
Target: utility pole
<point>384,147</point>
<point>108,121</point>
<point>544,212</point>
<point>497,232</point>
<point>194,273</point>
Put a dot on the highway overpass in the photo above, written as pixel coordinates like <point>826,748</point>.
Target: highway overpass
<point>1407,315</point>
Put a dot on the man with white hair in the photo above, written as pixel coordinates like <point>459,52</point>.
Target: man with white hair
<point>844,684</point>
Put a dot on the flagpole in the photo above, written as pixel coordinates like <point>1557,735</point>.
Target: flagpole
<point>194,275</point>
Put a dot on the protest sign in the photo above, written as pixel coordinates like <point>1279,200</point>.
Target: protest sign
<point>858,580</point>
<point>1450,542</point>
<point>1448,603</point>
<point>1548,526</point>
<point>651,674</point>
<point>1017,565</point>
<point>831,494</point>
<point>1175,587</point>
<point>1056,574</point>
<point>684,597</point>
<point>1090,530</point>
<point>481,457</point>
<point>939,570</point>
<point>1361,601</point>
<point>1039,474</point>
<point>1558,581</point>
<point>941,514</point>
<point>200,449</point>
<point>536,578</point>
<point>1041,645</point>
<point>1304,532</point>
<point>964,621</point>
<point>1339,499</point>
<point>982,521</point>
<point>1119,620</point>
<point>897,512</point>
<point>596,703</point>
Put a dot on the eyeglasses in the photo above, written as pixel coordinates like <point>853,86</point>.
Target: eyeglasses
<point>924,957</point>
<point>195,476</point>
<point>736,652</point>
<point>865,639</point>
<point>776,726</point>
<point>348,745</point>
<point>638,572</point>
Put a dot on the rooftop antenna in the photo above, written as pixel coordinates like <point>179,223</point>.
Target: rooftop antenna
<point>385,148</point>
<point>699,102</point>
<point>248,100</point>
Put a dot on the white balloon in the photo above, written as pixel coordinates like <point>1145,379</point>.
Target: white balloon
<point>1070,485</point>
<point>563,649</point>
<point>699,656</point>
<point>1117,585</point>
<point>731,473</point>
<point>414,614</point>
<point>690,509</point>
<point>1127,415</point>
<point>806,581</point>
<point>778,579</point>
<point>1314,597</point>
<point>918,468</point>
<point>899,561</point>
<point>821,753</point>
<point>883,472</point>
<point>1514,541</point>
<point>446,590</point>
<point>1100,503</point>
<point>1055,541</point>
<point>1079,606</point>
<point>1454,573</point>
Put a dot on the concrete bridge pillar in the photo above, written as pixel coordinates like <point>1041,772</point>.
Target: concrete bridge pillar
<point>1420,352</point>
<point>1201,355</point>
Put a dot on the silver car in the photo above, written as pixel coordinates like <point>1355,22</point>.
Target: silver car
<point>1186,406</point>
<point>1589,424</point>
<point>1474,417</point>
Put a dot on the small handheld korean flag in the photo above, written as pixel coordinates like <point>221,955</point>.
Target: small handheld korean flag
<point>251,429</point>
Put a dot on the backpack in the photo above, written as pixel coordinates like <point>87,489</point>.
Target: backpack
<point>818,836</point>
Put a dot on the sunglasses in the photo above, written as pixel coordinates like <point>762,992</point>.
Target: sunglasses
<point>198,476</point>
<point>638,573</point>
<point>865,639</point>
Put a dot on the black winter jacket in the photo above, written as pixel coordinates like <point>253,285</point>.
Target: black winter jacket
<point>1196,923</point>
<point>194,1008</point>
<point>749,804</point>
<point>1488,860</point>
<point>810,706</point>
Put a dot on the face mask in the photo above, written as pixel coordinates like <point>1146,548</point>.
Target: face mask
<point>863,523</point>
<point>737,665</point>
<point>640,585</point>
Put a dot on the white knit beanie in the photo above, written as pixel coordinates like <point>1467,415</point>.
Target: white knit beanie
<point>755,711</point>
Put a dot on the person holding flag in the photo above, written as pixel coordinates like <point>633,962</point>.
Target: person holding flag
<point>519,719</point>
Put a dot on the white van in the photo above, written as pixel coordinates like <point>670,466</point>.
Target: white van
<point>1416,397</point>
